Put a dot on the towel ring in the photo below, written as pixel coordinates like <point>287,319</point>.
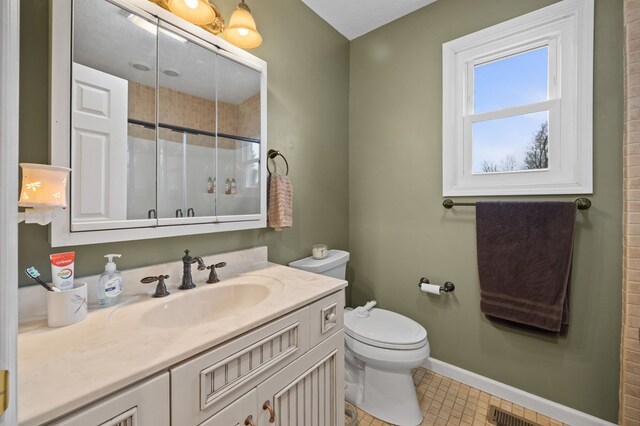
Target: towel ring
<point>272,154</point>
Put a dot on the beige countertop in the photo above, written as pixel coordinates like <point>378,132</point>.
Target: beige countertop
<point>63,369</point>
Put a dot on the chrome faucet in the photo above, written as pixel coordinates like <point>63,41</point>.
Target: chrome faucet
<point>187,261</point>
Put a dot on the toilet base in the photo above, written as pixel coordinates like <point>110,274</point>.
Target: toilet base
<point>390,396</point>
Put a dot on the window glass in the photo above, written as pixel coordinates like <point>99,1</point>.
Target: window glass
<point>511,144</point>
<point>516,80</point>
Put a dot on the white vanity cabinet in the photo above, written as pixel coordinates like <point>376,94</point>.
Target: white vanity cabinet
<point>287,372</point>
<point>144,404</point>
<point>296,363</point>
<point>208,356</point>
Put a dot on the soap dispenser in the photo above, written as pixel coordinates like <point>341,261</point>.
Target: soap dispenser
<point>110,284</point>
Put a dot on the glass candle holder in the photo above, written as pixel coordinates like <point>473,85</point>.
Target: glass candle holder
<point>319,251</point>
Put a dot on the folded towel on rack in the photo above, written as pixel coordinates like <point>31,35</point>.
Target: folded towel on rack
<point>525,251</point>
<point>279,202</point>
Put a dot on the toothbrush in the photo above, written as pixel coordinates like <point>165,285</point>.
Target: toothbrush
<point>33,273</point>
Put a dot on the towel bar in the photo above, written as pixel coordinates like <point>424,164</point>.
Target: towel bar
<point>581,203</point>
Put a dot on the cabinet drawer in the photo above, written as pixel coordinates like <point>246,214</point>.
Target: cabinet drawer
<point>237,413</point>
<point>145,404</point>
<point>204,385</point>
<point>326,316</point>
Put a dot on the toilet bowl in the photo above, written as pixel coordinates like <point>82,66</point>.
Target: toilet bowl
<point>381,349</point>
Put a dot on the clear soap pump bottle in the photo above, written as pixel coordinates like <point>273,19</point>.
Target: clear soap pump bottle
<point>110,284</point>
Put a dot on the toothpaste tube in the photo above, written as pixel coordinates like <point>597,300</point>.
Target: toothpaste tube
<point>62,270</point>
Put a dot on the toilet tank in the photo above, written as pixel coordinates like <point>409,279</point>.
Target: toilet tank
<point>334,265</point>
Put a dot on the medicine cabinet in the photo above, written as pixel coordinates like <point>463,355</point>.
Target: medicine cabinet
<point>162,123</point>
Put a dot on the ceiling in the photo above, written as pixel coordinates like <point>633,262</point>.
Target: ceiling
<point>353,18</point>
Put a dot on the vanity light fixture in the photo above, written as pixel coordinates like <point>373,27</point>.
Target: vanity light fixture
<point>214,26</point>
<point>242,30</point>
<point>197,12</point>
<point>44,192</point>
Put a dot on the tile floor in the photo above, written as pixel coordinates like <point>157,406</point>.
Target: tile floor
<point>445,402</point>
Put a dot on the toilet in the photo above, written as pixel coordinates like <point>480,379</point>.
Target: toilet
<point>381,348</point>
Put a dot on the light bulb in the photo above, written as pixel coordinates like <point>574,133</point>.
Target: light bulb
<point>243,32</point>
<point>191,4</point>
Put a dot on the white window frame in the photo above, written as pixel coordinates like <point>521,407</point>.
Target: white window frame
<point>567,29</point>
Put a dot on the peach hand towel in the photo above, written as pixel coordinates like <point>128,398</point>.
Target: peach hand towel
<point>280,202</point>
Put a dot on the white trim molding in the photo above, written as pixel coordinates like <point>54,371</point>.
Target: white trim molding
<point>525,399</point>
<point>565,29</point>
<point>9,120</point>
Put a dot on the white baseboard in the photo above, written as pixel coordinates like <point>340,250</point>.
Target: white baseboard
<point>528,400</point>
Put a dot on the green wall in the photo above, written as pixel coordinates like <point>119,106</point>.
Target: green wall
<point>366,169</point>
<point>399,230</point>
<point>308,77</point>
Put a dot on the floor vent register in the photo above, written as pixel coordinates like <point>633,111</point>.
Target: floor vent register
<point>499,417</point>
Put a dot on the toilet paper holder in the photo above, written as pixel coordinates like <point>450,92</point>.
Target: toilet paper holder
<point>447,287</point>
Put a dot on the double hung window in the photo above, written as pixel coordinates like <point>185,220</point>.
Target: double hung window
<point>517,105</point>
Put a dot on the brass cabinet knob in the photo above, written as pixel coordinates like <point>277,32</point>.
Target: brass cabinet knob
<point>249,421</point>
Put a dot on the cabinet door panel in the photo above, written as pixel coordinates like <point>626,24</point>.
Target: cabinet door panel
<point>206,384</point>
<point>145,404</point>
<point>109,186</point>
<point>239,141</point>
<point>187,122</point>
<point>310,391</point>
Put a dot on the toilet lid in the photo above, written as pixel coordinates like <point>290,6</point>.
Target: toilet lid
<point>385,329</point>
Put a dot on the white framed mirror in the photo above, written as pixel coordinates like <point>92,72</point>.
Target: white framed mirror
<point>162,123</point>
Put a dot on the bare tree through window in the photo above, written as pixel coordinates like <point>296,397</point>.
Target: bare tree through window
<point>536,156</point>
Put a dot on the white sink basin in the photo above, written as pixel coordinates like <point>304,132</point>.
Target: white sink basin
<point>182,309</point>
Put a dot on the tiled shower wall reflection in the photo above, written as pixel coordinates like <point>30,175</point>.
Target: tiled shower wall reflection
<point>161,162</point>
<point>630,343</point>
<point>190,111</point>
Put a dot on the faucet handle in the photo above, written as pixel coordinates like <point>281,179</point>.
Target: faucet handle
<point>213,276</point>
<point>161,288</point>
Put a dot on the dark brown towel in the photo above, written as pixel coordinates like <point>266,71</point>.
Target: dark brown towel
<point>524,261</point>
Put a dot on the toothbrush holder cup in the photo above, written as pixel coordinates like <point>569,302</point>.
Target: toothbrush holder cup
<point>68,306</point>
